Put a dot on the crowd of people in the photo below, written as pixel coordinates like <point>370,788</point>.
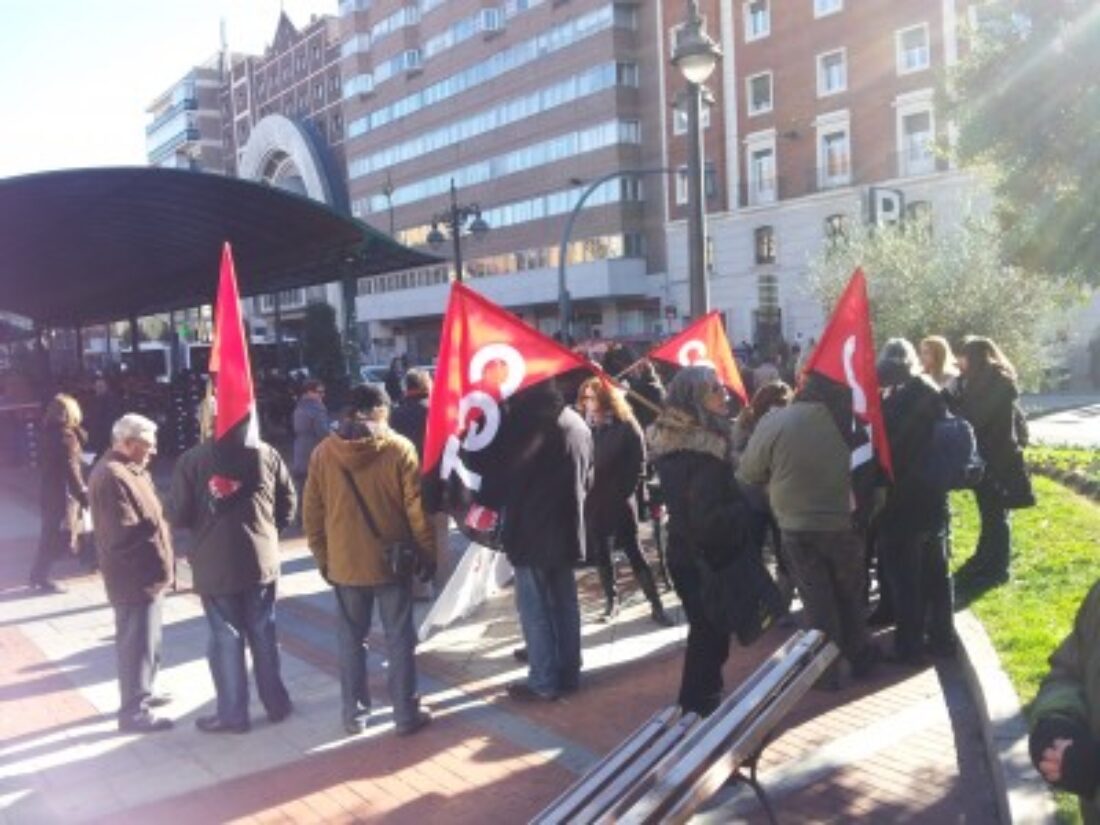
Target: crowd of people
<point>773,477</point>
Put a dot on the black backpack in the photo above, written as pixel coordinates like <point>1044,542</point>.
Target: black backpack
<point>951,461</point>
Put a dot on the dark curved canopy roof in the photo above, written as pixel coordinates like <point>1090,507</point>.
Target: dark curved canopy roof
<point>90,245</point>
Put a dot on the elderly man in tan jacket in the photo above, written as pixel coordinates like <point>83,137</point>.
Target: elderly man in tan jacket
<point>361,502</point>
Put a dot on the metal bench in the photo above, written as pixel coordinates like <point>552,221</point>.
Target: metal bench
<point>674,762</point>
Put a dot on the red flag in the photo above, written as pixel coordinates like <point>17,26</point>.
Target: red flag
<point>486,357</point>
<point>704,343</point>
<point>229,355</point>
<point>846,355</point>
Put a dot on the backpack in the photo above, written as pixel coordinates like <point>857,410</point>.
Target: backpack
<point>951,461</point>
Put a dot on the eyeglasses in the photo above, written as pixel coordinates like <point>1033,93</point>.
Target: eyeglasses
<point>717,389</point>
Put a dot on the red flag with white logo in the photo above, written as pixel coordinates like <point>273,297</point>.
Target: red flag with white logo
<point>488,358</point>
<point>236,403</point>
<point>704,343</point>
<point>846,356</point>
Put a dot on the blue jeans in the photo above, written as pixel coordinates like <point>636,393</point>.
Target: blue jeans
<point>915,563</point>
<point>137,647</point>
<point>550,616</point>
<point>354,606</point>
<point>243,618</point>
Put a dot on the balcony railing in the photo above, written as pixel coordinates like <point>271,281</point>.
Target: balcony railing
<point>188,104</point>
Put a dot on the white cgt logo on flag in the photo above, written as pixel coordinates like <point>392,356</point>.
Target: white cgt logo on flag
<point>695,348</point>
<point>481,432</point>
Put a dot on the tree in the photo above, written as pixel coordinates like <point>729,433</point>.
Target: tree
<point>321,347</point>
<point>1027,105</point>
<point>952,284</point>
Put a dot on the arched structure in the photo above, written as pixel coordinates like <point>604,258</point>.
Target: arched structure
<point>283,154</point>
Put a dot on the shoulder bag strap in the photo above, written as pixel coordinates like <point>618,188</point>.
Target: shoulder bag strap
<point>361,502</point>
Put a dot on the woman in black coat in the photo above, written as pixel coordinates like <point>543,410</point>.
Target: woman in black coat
<point>63,492</point>
<point>708,517</point>
<point>986,397</point>
<point>609,507</point>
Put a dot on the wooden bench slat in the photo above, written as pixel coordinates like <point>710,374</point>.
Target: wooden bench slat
<point>748,743</point>
<point>624,785</point>
<point>692,758</point>
<point>563,808</point>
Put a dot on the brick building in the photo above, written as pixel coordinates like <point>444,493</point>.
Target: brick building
<point>824,116</point>
<point>185,125</point>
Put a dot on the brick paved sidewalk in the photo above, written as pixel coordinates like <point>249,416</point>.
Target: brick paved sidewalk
<point>904,747</point>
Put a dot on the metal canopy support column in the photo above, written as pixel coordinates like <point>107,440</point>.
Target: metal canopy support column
<point>135,346</point>
<point>280,349</point>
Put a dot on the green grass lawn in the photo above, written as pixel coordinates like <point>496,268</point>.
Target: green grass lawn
<point>1055,559</point>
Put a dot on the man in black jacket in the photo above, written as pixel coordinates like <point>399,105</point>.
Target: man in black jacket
<point>235,500</point>
<point>544,537</point>
<point>410,417</point>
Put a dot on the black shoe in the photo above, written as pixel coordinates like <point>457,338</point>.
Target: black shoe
<point>660,617</point>
<point>520,654</point>
<point>159,700</point>
<point>881,616</point>
<point>356,726</point>
<point>214,724</point>
<point>522,692</point>
<point>145,723</point>
<point>865,662</point>
<point>282,713</point>
<point>419,722</point>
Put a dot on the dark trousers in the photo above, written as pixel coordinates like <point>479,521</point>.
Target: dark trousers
<point>237,620</point>
<point>829,572</point>
<point>604,547</point>
<point>51,542</point>
<point>994,540</point>
<point>354,608</point>
<point>137,648</point>
<point>708,647</point>
<point>549,614</point>
<point>915,563</point>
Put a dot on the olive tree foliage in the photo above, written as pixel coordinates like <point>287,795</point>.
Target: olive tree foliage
<point>1027,105</point>
<point>950,283</point>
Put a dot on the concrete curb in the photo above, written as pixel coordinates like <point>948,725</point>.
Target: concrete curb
<point>1022,797</point>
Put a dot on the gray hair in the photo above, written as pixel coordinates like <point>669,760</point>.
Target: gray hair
<point>134,426</point>
<point>688,392</point>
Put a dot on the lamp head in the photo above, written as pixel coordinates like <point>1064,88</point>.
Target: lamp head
<point>435,237</point>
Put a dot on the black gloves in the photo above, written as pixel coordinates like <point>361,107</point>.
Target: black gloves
<point>1080,761</point>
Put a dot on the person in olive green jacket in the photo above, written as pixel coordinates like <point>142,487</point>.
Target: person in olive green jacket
<point>362,495</point>
<point>1065,734</point>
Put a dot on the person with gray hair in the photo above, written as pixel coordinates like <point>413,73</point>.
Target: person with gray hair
<point>135,556</point>
<point>912,526</point>
<point>690,444</point>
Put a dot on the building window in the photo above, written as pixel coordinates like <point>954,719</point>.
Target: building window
<point>836,229</point>
<point>680,120</point>
<point>681,186</point>
<point>823,8</point>
<point>835,159</point>
<point>760,160</point>
<point>759,88</point>
<point>917,140</point>
<point>767,290</point>
<point>832,73</point>
<point>758,20</point>
<point>764,244</point>
<point>626,74</point>
<point>913,52</point>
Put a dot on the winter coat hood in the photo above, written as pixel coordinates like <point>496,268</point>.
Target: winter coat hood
<point>675,431</point>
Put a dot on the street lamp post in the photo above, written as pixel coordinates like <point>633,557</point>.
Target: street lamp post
<point>696,55</point>
<point>455,218</point>
<point>565,314</point>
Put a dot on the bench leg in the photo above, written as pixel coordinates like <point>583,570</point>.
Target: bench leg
<point>754,783</point>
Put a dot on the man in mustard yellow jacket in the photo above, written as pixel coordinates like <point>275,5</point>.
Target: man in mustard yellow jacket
<point>361,504</point>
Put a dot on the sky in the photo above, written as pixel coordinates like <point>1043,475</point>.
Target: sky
<point>76,75</point>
